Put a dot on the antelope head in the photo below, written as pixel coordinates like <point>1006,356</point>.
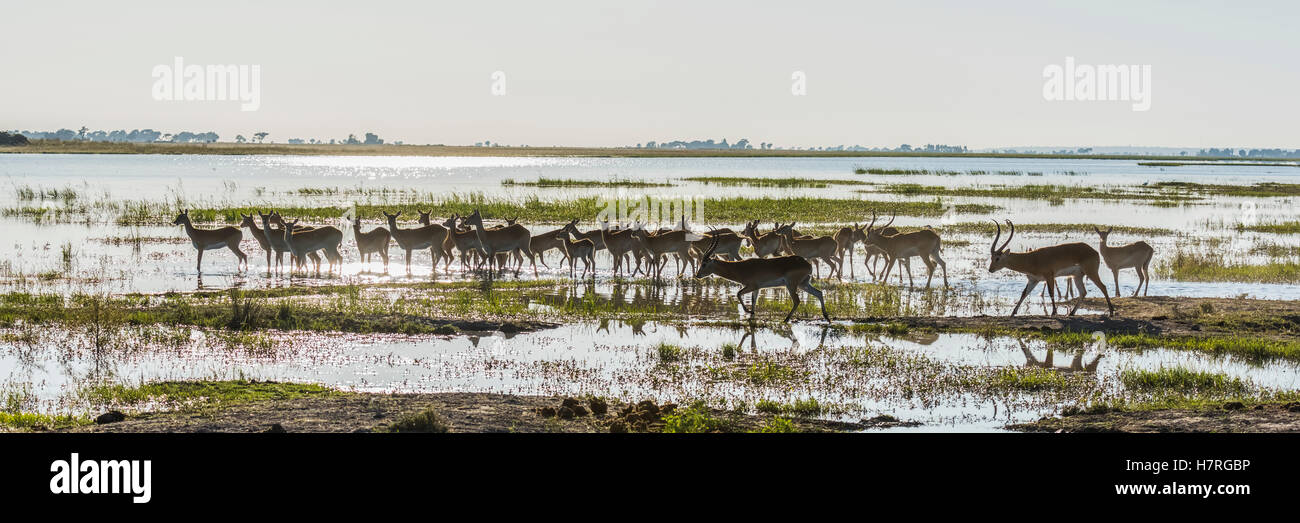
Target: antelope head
<point>571,228</point>
<point>182,218</point>
<point>473,219</point>
<point>859,233</point>
<point>999,254</point>
<point>247,221</point>
<point>288,231</point>
<point>450,224</point>
<point>425,219</point>
<point>392,218</point>
<point>1102,233</point>
<point>873,234</point>
<point>707,262</point>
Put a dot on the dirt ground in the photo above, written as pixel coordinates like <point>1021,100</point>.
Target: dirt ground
<point>1276,417</point>
<point>464,412</point>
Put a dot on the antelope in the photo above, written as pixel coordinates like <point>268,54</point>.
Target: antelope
<point>450,224</point>
<point>728,244</point>
<point>619,243</point>
<point>512,238</point>
<point>764,244</point>
<point>754,274</point>
<point>546,241</point>
<point>301,242</point>
<point>583,249</point>
<point>208,239</point>
<point>813,249</point>
<point>924,243</point>
<point>427,237</point>
<point>466,241</point>
<point>1046,264</point>
<point>874,251</point>
<point>259,235</point>
<point>845,239</point>
<point>275,237</point>
<point>662,244</point>
<point>369,243</point>
<point>1136,255</point>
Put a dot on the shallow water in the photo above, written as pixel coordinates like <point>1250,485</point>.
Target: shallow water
<point>610,358</point>
<point>615,359</point>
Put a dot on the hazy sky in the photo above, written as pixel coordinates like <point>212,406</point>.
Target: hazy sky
<point>618,73</point>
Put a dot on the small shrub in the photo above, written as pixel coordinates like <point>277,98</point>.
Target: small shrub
<point>425,421</point>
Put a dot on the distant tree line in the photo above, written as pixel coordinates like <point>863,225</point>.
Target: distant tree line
<point>134,135</point>
<point>1250,153</point>
<point>12,139</point>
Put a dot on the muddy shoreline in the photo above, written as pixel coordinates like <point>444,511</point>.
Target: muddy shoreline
<point>1228,417</point>
<point>462,411</point>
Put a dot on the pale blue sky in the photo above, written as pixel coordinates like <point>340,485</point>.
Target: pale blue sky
<point>617,73</point>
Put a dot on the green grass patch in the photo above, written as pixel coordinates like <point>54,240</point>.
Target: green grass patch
<point>1190,266</point>
<point>779,425</point>
<point>696,418</point>
<point>669,353</point>
<point>37,421</point>
<point>571,183</point>
<point>187,393</point>
<point>426,421</point>
<point>1032,192</point>
<point>1182,380</point>
<point>771,182</point>
<point>1027,379</point>
<point>1292,227</point>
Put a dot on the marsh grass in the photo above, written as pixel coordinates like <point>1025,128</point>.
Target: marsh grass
<point>696,418</point>
<point>530,209</point>
<point>1052,193</point>
<point>1291,227</point>
<point>804,407</point>
<point>197,393</point>
<point>571,183</point>
<point>668,353</point>
<point>1193,266</point>
<point>41,421</point>
<point>1257,190</point>
<point>1183,381</point>
<point>779,425</point>
<point>1027,379</point>
<point>728,181</point>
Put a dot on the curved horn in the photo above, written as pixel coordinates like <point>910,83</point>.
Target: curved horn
<point>712,247</point>
<point>872,225</point>
<point>1009,236</point>
<point>993,249</point>
<point>891,220</point>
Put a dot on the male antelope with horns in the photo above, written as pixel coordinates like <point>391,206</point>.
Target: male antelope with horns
<point>1045,264</point>
<point>754,274</point>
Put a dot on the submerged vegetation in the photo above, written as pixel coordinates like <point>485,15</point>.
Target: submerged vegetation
<point>565,182</point>
<point>531,209</point>
<point>1034,192</point>
<point>771,182</point>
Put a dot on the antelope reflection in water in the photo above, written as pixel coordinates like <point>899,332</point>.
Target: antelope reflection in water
<point>1076,364</point>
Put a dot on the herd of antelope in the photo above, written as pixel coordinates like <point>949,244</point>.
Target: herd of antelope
<point>782,256</point>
